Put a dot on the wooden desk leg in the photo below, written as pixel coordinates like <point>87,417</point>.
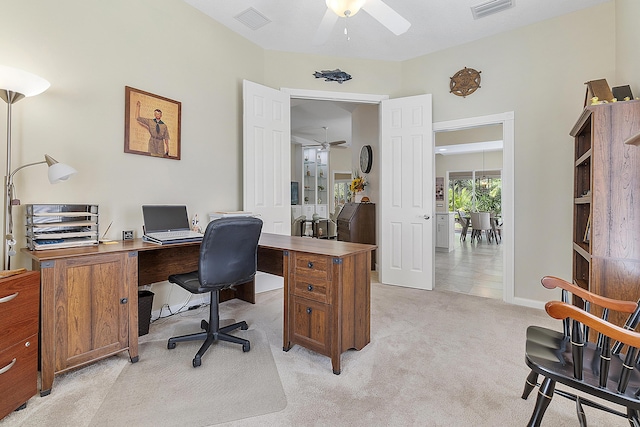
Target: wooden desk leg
<point>47,326</point>
<point>335,363</point>
<point>131,274</point>
<point>286,342</point>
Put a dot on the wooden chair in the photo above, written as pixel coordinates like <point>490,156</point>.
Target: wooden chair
<point>605,367</point>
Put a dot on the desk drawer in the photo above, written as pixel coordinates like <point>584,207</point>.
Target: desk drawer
<point>317,290</point>
<point>19,377</point>
<point>310,323</point>
<point>313,268</point>
<point>19,305</point>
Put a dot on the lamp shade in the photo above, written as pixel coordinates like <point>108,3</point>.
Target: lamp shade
<point>345,8</point>
<point>20,81</point>
<point>58,171</point>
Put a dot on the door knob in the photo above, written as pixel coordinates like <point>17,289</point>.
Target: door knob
<point>426,217</point>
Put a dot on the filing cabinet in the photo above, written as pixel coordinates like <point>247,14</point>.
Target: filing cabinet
<point>19,322</point>
<point>327,303</point>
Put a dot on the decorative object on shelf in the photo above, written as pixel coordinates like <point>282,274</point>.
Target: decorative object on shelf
<point>465,82</point>
<point>598,89</point>
<point>320,188</point>
<point>151,124</point>
<point>336,75</point>
<point>315,216</point>
<point>622,93</point>
<point>358,183</point>
<point>365,199</point>
<point>16,84</point>
<point>366,158</point>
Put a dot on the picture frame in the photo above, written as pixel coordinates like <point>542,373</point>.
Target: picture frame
<point>151,124</point>
<point>439,188</point>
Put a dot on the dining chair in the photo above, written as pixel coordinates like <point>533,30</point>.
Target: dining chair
<point>464,223</point>
<point>481,221</point>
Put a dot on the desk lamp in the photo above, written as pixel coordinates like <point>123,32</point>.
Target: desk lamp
<point>16,84</point>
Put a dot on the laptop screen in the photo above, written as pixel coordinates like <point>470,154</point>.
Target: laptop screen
<point>165,218</point>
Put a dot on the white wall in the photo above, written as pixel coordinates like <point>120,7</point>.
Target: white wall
<point>90,50</point>
<point>538,72</point>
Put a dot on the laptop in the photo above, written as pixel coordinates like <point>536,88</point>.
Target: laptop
<point>165,224</point>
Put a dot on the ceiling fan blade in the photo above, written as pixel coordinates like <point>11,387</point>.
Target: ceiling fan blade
<point>326,26</point>
<point>387,16</point>
<point>337,142</point>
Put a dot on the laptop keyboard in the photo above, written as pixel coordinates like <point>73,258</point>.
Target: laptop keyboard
<point>171,234</point>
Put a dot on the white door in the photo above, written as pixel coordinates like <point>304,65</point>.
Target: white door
<point>406,193</point>
<point>267,156</point>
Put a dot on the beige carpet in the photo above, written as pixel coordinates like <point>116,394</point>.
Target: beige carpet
<point>435,359</point>
<point>168,391</point>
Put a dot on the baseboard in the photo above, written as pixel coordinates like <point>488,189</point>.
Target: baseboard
<point>525,302</point>
<point>268,282</point>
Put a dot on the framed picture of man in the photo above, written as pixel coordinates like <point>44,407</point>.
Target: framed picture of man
<point>151,124</point>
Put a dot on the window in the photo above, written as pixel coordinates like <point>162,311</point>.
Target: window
<point>475,191</point>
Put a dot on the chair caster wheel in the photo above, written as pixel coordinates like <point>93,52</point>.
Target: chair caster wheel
<point>171,345</point>
<point>246,347</point>
<point>196,362</point>
<point>244,326</point>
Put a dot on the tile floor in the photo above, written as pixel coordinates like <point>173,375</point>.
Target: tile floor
<point>472,268</point>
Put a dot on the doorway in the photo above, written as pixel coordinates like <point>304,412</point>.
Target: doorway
<point>505,251</point>
<point>469,165</point>
<point>264,157</point>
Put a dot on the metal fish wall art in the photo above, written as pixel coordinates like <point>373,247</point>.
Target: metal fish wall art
<point>336,75</point>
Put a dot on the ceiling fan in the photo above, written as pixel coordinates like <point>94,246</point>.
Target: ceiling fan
<point>326,144</point>
<point>348,8</point>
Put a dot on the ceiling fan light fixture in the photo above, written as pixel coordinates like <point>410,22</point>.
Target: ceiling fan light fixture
<point>345,8</point>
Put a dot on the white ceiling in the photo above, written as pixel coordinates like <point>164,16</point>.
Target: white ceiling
<point>435,25</point>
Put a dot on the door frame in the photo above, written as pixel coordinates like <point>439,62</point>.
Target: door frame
<point>507,121</point>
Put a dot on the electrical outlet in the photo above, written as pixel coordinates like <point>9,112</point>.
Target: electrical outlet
<point>127,235</point>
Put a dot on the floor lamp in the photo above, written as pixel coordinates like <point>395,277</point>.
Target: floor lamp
<point>16,84</point>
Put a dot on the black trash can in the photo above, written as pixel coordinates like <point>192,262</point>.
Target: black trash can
<point>145,303</point>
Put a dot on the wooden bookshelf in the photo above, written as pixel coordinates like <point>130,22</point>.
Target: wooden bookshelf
<point>606,208</point>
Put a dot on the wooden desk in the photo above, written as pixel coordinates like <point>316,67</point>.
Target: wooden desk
<point>89,298</point>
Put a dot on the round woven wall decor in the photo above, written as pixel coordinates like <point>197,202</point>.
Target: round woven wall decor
<point>465,82</point>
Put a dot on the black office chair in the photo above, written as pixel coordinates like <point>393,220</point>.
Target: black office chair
<point>228,257</point>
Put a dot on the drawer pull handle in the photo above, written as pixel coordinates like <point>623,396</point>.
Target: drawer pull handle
<point>309,310</point>
<point>8,298</point>
<point>9,366</point>
<point>310,264</point>
<point>310,288</point>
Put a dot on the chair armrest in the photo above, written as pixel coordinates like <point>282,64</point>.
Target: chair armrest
<point>561,310</point>
<point>551,282</point>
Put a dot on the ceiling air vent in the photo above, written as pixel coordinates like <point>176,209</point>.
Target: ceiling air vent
<point>252,18</point>
<point>490,7</point>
